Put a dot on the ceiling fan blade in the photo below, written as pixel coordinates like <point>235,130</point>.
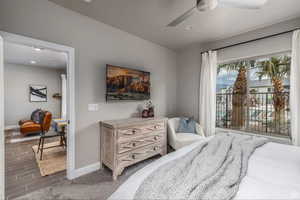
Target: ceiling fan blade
<point>247,4</point>
<point>183,17</point>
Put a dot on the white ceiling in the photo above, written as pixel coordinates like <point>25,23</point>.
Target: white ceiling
<point>24,55</point>
<point>148,18</point>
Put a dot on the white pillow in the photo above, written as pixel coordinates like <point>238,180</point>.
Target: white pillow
<point>199,130</point>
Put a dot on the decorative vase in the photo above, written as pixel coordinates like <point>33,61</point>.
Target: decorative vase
<point>145,113</point>
<point>151,112</point>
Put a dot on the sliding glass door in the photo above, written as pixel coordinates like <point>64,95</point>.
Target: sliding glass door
<point>253,95</point>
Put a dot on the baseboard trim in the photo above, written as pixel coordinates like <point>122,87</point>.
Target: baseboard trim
<point>84,170</point>
<point>11,127</point>
<point>18,140</point>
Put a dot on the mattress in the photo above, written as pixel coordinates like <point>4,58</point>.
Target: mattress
<point>273,173</point>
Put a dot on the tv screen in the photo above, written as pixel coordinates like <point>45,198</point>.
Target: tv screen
<point>127,84</point>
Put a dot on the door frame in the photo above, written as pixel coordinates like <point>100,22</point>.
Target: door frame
<point>2,138</point>
<point>14,38</point>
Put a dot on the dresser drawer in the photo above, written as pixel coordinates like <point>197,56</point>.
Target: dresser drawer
<point>124,133</point>
<point>129,132</point>
<point>139,154</point>
<point>139,142</point>
<point>153,127</point>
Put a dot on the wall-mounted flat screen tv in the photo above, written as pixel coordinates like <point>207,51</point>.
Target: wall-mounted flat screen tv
<point>127,84</point>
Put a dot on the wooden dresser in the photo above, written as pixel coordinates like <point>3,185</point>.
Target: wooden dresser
<point>129,141</point>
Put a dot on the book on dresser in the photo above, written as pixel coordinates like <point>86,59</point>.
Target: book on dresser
<point>129,141</point>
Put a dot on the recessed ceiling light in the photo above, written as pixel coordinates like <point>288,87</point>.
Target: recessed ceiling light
<point>37,49</point>
<point>88,1</point>
<point>188,28</point>
<point>33,62</point>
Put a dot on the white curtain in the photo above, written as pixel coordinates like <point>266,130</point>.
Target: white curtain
<point>295,89</point>
<point>63,96</point>
<point>207,94</point>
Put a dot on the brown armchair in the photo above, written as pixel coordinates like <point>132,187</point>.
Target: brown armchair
<point>40,123</point>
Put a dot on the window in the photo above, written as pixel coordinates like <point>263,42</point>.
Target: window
<point>253,95</point>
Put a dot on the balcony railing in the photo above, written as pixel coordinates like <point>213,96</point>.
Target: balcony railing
<point>259,113</point>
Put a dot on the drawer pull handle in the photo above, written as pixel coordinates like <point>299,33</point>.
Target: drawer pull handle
<point>153,150</point>
<point>157,126</point>
<point>156,137</point>
<point>133,156</point>
<point>132,132</point>
<point>129,133</point>
<point>133,144</point>
<point>126,160</point>
<point>154,128</point>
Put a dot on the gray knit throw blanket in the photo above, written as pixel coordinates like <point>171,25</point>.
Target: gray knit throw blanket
<point>212,171</point>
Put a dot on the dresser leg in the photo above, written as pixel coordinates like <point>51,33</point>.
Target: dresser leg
<point>120,171</point>
<point>115,175</point>
<point>164,151</point>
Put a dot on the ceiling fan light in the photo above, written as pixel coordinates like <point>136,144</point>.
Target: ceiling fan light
<point>212,4</point>
<point>204,5</point>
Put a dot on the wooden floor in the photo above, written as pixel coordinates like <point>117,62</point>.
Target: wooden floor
<point>22,174</point>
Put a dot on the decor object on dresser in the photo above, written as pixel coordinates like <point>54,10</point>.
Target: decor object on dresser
<point>145,113</point>
<point>127,84</point>
<point>180,139</point>
<point>39,121</point>
<point>38,93</point>
<point>148,110</point>
<point>129,141</point>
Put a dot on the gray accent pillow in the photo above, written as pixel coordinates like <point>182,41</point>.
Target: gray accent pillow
<point>187,125</point>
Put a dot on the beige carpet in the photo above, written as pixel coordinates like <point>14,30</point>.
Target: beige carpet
<point>54,159</point>
<point>95,186</point>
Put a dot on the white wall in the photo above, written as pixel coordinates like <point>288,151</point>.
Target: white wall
<point>274,45</point>
<point>96,44</point>
<point>16,86</point>
<point>188,75</point>
<point>189,60</point>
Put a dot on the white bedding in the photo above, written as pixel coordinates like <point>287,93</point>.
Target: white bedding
<point>273,173</point>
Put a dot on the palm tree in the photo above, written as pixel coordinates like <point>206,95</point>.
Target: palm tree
<point>239,96</point>
<point>277,69</point>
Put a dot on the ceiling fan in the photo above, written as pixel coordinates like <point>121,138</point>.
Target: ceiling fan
<point>204,5</point>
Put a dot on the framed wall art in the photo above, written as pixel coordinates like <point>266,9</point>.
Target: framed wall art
<point>38,93</point>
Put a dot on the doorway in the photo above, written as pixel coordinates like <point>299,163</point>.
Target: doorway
<point>40,92</point>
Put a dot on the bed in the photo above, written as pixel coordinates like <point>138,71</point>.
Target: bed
<point>273,173</point>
